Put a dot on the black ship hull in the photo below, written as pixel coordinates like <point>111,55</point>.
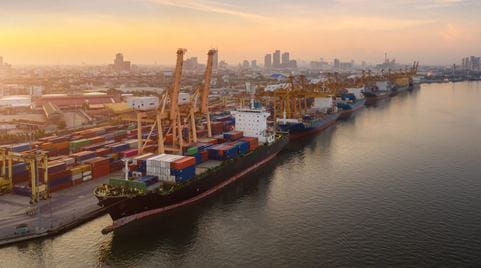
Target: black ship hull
<point>125,209</point>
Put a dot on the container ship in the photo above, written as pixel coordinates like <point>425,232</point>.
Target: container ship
<point>379,92</point>
<point>400,85</point>
<point>321,116</point>
<point>350,101</point>
<point>164,182</point>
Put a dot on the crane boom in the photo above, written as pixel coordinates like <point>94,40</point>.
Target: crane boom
<point>207,77</point>
<point>175,89</point>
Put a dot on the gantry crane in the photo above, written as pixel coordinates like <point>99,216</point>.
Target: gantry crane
<point>33,160</point>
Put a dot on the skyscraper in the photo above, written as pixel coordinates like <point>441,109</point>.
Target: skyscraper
<point>245,64</point>
<point>1,61</point>
<point>268,61</point>
<point>120,64</point>
<point>215,60</point>
<point>285,59</point>
<point>253,63</point>
<point>276,59</point>
<point>337,64</point>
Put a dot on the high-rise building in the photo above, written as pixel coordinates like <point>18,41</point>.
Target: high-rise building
<point>191,63</point>
<point>245,64</point>
<point>285,59</point>
<point>337,64</point>
<point>268,61</point>
<point>215,60</point>
<point>254,64</point>
<point>276,59</point>
<point>475,63</point>
<point>1,61</point>
<point>120,64</point>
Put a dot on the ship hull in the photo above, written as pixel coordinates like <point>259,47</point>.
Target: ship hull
<point>346,114</point>
<point>123,210</point>
<point>376,98</point>
<point>398,90</point>
<point>303,132</point>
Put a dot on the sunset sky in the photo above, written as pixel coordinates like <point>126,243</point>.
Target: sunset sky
<point>149,31</point>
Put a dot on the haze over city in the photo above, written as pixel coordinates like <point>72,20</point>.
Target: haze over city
<point>150,31</point>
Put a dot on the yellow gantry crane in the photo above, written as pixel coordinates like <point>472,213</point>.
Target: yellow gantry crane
<point>292,100</point>
<point>34,160</point>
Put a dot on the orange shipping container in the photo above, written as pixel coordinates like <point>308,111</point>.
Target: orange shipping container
<point>183,162</point>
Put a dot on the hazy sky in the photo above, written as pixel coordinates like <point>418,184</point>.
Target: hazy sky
<point>149,31</point>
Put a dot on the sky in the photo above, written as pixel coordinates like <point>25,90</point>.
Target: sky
<point>150,31</point>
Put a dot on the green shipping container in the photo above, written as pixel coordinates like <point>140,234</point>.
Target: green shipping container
<point>192,150</point>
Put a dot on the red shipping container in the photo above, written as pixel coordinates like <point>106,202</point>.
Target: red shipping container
<point>100,166</point>
<point>97,139</point>
<point>182,163</point>
<point>253,142</point>
<point>208,140</point>
<point>168,138</point>
<point>150,149</point>
<point>129,153</point>
<point>204,155</point>
<point>103,151</point>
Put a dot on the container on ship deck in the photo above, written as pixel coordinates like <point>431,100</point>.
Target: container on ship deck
<point>211,141</point>
<point>148,180</point>
<point>233,135</point>
<point>253,142</point>
<point>182,175</point>
<point>182,163</point>
<point>219,139</point>
<point>150,148</point>
<point>191,150</point>
<point>201,133</point>
<point>168,139</point>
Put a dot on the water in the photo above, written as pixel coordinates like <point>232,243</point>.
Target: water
<point>398,185</point>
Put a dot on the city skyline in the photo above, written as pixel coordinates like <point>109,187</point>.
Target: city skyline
<point>149,31</point>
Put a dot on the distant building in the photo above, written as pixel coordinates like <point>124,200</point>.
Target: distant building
<point>245,64</point>
<point>337,64</point>
<point>191,63</point>
<point>475,63</point>
<point>292,64</point>
<point>268,61</point>
<point>1,61</point>
<point>276,59</point>
<point>223,65</point>
<point>254,64</point>
<point>215,60</point>
<point>120,64</point>
<point>285,59</point>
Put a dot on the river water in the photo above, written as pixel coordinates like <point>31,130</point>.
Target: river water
<point>399,184</point>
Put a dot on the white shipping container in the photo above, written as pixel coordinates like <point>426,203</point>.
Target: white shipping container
<point>87,173</point>
<point>87,178</point>
<point>323,103</point>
